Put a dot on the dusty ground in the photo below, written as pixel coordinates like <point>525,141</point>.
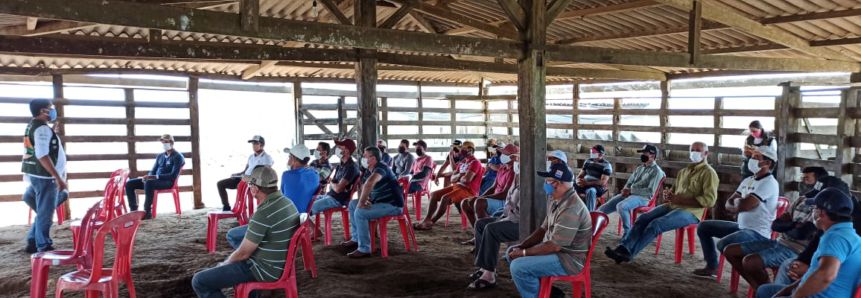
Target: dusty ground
<point>170,249</point>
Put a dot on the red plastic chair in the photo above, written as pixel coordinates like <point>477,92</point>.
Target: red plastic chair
<point>858,293</point>
<point>584,279</point>
<point>106,280</point>
<point>104,214</point>
<point>642,209</point>
<point>120,204</point>
<point>307,248</point>
<point>243,192</point>
<point>81,255</point>
<point>690,230</point>
<point>288,278</point>
<point>463,221</point>
<point>174,191</point>
<point>417,196</point>
<point>345,217</point>
<point>403,220</point>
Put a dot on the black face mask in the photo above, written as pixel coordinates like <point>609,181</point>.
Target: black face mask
<point>644,158</point>
<point>420,152</point>
<point>401,150</point>
<point>455,150</point>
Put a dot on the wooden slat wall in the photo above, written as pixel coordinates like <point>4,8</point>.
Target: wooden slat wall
<point>129,138</point>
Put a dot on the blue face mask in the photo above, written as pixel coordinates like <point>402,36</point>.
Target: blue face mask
<point>53,115</point>
<point>548,188</point>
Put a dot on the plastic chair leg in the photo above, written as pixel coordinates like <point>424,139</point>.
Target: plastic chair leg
<point>463,221</point>
<point>404,232</point>
<point>658,244</point>
<point>447,215</point>
<point>308,255</point>
<point>176,202</point>
<point>317,228</point>
<point>619,232</point>
<point>384,239</point>
<point>679,245</point>
<point>61,214</point>
<point>211,234</point>
<point>154,204</point>
<point>372,226</point>
<point>577,288</point>
<point>328,233</point>
<point>345,220</point>
<point>691,244</point>
<point>733,282</point>
<point>417,205</point>
<point>720,268</point>
<point>39,281</point>
<point>413,236</point>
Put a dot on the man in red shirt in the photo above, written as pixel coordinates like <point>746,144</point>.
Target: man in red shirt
<point>466,182</point>
<point>494,198</point>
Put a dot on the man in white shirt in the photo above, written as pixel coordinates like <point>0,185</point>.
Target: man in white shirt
<point>755,201</point>
<point>259,158</point>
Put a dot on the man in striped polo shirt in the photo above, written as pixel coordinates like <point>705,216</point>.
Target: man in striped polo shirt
<point>263,252</point>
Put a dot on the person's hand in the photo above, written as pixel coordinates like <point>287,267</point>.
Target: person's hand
<point>581,182</point>
<point>626,192</point>
<point>797,270</point>
<point>364,204</point>
<point>669,195</point>
<point>61,185</point>
<point>515,253</point>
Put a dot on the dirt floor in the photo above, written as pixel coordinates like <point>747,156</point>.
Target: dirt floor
<point>170,249</point>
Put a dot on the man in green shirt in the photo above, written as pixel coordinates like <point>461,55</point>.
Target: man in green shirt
<point>694,190</point>
<point>263,252</point>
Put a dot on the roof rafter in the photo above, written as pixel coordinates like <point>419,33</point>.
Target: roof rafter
<point>443,13</point>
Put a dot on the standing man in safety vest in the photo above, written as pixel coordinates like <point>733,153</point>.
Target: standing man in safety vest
<point>44,166</point>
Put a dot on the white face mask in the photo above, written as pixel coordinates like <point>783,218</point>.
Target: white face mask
<point>165,146</point>
<point>338,152</point>
<point>593,155</point>
<point>517,167</point>
<point>696,157</point>
<point>316,154</point>
<point>364,162</point>
<point>505,159</point>
<point>753,165</point>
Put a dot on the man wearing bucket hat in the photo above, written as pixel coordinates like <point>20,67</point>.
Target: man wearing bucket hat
<point>162,176</point>
<point>259,158</point>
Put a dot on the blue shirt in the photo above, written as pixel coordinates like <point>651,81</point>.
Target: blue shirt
<point>387,158</point>
<point>387,190</point>
<point>841,242</point>
<point>491,174</point>
<point>167,168</point>
<point>299,186</point>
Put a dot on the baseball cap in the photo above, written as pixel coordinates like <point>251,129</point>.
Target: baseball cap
<point>349,143</point>
<point>649,148</point>
<point>559,171</point>
<point>299,151</point>
<point>767,152</point>
<point>558,154</point>
<point>834,201</point>
<point>420,143</point>
<point>382,143</point>
<point>827,182</point>
<point>456,144</point>
<point>510,149</point>
<point>264,176</point>
<point>166,137</point>
<point>498,145</point>
<point>465,144</point>
<point>258,139</point>
<point>599,148</point>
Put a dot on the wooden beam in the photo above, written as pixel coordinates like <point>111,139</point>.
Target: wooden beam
<point>396,17</point>
<point>695,25</point>
<point>43,28</point>
<point>726,16</point>
<point>254,70</point>
<point>297,112</point>
<point>458,18</point>
<point>336,12</point>
<point>249,15</point>
<point>556,7</point>
<point>813,16</point>
<point>423,23</point>
<point>196,164</point>
<point>613,8</point>
<point>366,80</point>
<point>515,13</point>
<point>223,23</point>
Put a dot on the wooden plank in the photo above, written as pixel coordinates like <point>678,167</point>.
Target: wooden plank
<point>120,121</point>
<point>249,15</point>
<point>130,129</point>
<point>60,124</point>
<point>816,112</point>
<point>443,13</point>
<point>77,194</point>
<point>98,103</point>
<point>336,12</point>
<point>515,13</point>
<point>788,126</point>
<point>809,162</point>
<point>421,116</point>
<point>396,17</point>
<point>718,122</point>
<point>695,25</point>
<point>664,118</point>
<point>384,117</point>
<point>821,139</point>
<point>225,23</point>
<point>255,70</point>
<point>848,98</point>
<point>813,16</point>
<point>554,9</point>
<point>608,9</point>
<point>44,28</point>
<point>90,157</point>
<point>194,116</point>
<point>313,120</point>
<point>297,113</point>
<point>329,121</point>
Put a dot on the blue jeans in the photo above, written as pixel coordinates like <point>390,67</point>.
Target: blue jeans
<point>592,193</point>
<point>209,282</point>
<point>782,274</point>
<point>323,203</point>
<point>494,205</point>
<point>528,271</point>
<point>728,231</point>
<point>360,221</point>
<point>773,253</point>
<point>41,196</point>
<point>624,207</point>
<point>149,187</point>
<point>768,290</point>
<point>236,235</point>
<point>654,223</point>
<point>485,185</point>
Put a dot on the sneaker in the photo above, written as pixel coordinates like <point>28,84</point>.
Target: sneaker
<point>49,248</point>
<point>30,248</point>
<point>226,208</point>
<point>147,216</point>
<point>623,253</point>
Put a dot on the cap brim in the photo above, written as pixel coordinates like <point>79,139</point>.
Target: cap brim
<point>544,174</point>
<point>287,150</point>
<point>811,194</point>
<point>810,201</point>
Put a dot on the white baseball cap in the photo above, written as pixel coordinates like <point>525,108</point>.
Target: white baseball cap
<point>383,143</point>
<point>299,151</point>
<point>767,152</point>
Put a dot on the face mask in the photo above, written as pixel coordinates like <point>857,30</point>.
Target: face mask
<point>364,162</point>
<point>401,150</point>
<point>338,152</point>
<point>548,188</point>
<point>644,158</point>
<point>53,115</point>
<point>455,150</point>
<point>696,157</point>
<point>517,167</point>
<point>756,134</point>
<point>753,165</point>
<point>165,146</point>
<point>593,155</point>
<point>420,152</point>
<point>504,159</point>
<point>316,154</point>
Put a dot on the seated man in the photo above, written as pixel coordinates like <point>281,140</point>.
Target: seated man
<point>260,257</point>
<point>491,232</point>
<point>402,163</point>
<point>320,164</point>
<point>639,189</point>
<point>299,183</point>
<point>494,197</point>
<point>341,185</point>
<point>809,177</point>
<point>467,183</point>
<point>835,270</point>
<point>386,157</point>
<point>379,196</point>
<point>695,188</point>
<point>594,175</point>
<point>259,158</point>
<point>755,202</point>
<point>162,176</point>
<point>492,165</point>
<point>422,169</point>
<point>451,159</point>
<point>559,247</point>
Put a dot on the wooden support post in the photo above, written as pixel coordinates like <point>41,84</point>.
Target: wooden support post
<point>665,118</point>
<point>845,128</point>
<point>366,79</point>
<point>342,114</point>
<point>718,123</point>
<point>153,35</point>
<point>57,81</point>
<point>511,118</point>
<point>531,77</point>
<point>575,119</point>
<point>194,110</point>
<point>617,120</point>
<point>790,99</point>
<point>453,115</point>
<point>695,24</point>
<point>249,11</point>
<point>297,105</point>
<point>482,92</point>
<point>384,117</point>
<point>421,116</point>
<point>130,131</point>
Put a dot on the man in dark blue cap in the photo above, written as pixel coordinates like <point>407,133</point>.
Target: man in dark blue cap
<point>835,270</point>
<point>594,176</point>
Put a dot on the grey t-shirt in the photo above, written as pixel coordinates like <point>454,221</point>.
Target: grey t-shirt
<point>402,163</point>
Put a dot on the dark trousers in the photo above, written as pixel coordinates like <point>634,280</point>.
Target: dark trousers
<point>490,233</point>
<point>224,185</point>
<point>149,187</point>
